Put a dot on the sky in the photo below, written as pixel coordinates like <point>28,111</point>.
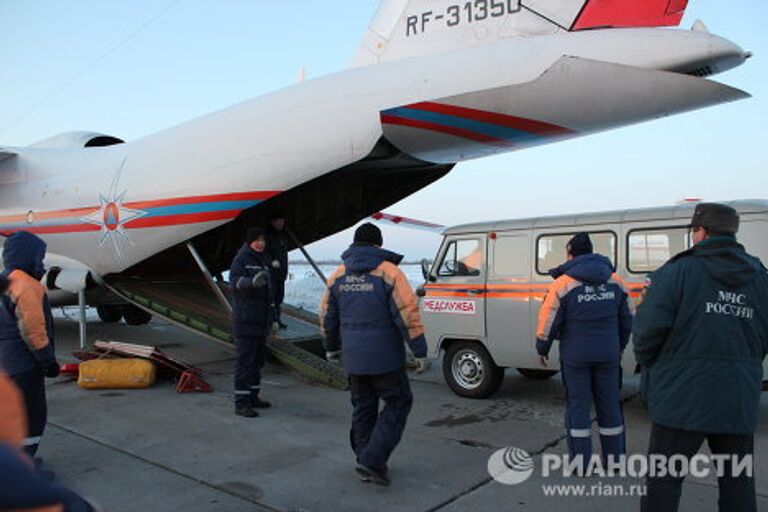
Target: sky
<point>130,69</point>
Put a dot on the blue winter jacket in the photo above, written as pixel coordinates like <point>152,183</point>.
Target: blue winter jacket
<point>369,310</point>
<point>587,309</point>
<point>26,323</point>
<point>253,300</point>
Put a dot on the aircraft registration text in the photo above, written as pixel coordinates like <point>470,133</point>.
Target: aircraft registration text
<point>473,11</point>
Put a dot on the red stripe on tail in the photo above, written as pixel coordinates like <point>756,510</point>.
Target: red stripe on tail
<point>516,123</point>
<point>450,130</point>
<point>630,13</point>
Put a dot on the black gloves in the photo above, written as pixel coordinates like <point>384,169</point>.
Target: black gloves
<point>47,360</point>
<point>52,369</point>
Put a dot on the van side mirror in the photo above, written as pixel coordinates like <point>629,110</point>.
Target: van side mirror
<point>425,268</point>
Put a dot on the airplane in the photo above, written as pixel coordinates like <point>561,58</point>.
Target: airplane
<point>434,83</point>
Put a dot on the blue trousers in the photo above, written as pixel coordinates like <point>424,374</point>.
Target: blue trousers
<point>251,353</point>
<point>376,433</point>
<point>278,286</point>
<point>601,382</point>
<point>32,387</point>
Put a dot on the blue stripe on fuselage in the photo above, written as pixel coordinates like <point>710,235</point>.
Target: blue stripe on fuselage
<point>491,130</point>
<point>182,209</point>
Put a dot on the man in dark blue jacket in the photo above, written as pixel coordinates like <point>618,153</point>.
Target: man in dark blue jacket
<point>252,320</point>
<point>277,249</point>
<point>701,335</point>
<point>587,309</point>
<point>26,329</point>
<point>367,313</point>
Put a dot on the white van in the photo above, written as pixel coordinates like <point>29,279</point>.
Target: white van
<point>481,298</point>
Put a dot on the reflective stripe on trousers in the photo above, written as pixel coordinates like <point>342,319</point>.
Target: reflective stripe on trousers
<point>611,431</point>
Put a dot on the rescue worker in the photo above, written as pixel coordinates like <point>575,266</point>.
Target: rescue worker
<point>701,334</point>
<point>252,318</point>
<point>587,309</point>
<point>26,330</point>
<point>277,248</point>
<point>367,313</point>
<point>21,487</point>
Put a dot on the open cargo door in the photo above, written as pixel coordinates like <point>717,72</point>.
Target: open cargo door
<point>189,302</point>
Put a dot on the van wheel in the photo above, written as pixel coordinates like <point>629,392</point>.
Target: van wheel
<point>536,374</point>
<point>109,314</point>
<point>470,371</point>
<point>136,316</point>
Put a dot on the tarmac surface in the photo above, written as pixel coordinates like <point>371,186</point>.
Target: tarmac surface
<point>154,449</point>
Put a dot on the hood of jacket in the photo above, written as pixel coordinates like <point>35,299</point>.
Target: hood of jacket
<point>587,268</point>
<point>726,260</point>
<point>364,258</point>
<point>24,251</point>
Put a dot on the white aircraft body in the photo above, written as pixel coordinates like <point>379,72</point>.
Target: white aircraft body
<point>434,83</point>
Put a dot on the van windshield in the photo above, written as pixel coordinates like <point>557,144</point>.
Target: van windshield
<point>462,258</point>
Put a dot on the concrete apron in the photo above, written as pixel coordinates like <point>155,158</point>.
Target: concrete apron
<point>157,450</point>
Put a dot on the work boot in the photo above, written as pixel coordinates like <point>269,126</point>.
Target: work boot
<point>258,403</point>
<point>370,475</point>
<point>246,411</point>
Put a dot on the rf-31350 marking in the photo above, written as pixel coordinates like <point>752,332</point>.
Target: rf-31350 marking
<point>458,14</point>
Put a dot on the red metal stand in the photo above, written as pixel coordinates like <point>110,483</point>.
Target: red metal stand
<point>191,382</point>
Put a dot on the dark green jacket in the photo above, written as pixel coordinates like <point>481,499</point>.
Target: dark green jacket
<point>701,333</point>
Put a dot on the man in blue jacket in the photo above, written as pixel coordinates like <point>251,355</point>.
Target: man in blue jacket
<point>252,320</point>
<point>26,329</point>
<point>587,309</point>
<point>701,335</point>
<point>367,313</point>
<point>277,250</point>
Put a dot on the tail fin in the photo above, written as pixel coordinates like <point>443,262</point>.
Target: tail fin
<point>406,28</point>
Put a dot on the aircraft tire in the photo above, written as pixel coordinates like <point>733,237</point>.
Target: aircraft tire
<point>136,316</point>
<point>109,314</point>
<point>469,370</point>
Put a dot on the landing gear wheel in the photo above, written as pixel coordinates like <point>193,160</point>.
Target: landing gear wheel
<point>109,314</point>
<point>136,316</point>
<point>536,374</point>
<point>470,371</point>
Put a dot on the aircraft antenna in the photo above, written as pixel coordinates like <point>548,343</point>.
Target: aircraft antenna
<point>98,60</point>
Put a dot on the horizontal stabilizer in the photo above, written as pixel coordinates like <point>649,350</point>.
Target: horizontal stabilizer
<point>406,28</point>
<point>483,123</point>
<point>407,222</point>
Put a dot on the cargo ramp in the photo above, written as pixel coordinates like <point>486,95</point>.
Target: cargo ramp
<point>190,303</point>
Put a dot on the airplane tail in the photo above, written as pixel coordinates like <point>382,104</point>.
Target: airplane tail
<point>406,28</point>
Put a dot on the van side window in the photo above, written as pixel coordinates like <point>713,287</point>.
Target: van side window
<point>551,249</point>
<point>462,258</point>
<point>649,249</point>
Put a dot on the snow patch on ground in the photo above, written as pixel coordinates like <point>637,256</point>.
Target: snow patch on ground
<point>304,289</point>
